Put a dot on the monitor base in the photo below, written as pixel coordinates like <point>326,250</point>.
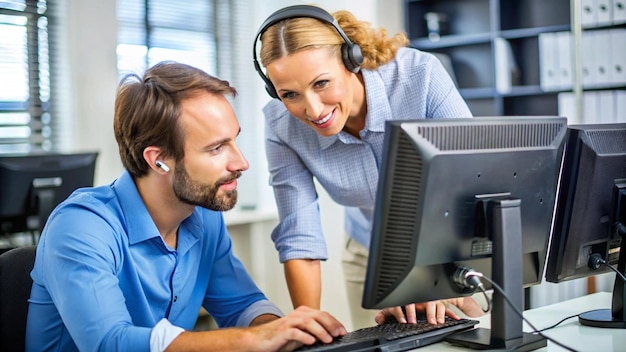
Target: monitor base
<point>480,339</point>
<point>601,318</point>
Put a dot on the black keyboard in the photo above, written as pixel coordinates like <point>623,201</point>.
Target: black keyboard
<point>393,336</point>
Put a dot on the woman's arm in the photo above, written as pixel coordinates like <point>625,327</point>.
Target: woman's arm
<point>304,280</point>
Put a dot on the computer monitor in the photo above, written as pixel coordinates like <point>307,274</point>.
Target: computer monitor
<point>590,211</point>
<point>477,193</point>
<point>33,184</point>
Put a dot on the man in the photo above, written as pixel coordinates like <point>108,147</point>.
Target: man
<point>127,266</point>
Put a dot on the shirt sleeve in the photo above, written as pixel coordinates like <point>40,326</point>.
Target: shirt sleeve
<point>163,334</point>
<point>256,309</point>
<point>79,273</point>
<point>299,232</point>
<point>444,99</point>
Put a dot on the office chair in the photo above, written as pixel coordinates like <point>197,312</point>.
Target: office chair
<point>15,284</point>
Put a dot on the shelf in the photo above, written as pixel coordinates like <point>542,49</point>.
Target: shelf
<point>447,41</point>
<point>506,56</point>
<point>519,91</point>
<point>531,32</point>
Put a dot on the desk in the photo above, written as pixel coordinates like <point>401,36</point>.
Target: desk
<point>570,333</point>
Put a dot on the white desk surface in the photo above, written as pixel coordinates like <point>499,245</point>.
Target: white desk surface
<point>570,333</point>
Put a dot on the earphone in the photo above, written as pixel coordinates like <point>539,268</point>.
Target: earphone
<point>161,165</point>
<point>350,53</point>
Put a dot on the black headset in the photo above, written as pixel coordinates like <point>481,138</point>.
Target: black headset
<point>350,52</point>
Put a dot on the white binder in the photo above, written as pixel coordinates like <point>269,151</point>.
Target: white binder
<point>605,100</point>
<point>588,13</point>
<point>565,57</point>
<point>617,65</point>
<point>590,108</point>
<point>604,12</point>
<point>548,62</point>
<point>566,102</point>
<point>619,11</point>
<point>620,105</point>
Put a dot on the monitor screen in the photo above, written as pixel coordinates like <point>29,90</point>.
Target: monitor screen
<point>589,210</point>
<point>464,193</point>
<point>33,184</point>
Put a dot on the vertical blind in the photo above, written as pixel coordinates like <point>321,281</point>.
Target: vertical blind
<point>24,76</point>
<point>150,31</point>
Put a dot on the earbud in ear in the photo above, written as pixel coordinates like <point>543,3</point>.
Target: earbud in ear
<point>162,166</point>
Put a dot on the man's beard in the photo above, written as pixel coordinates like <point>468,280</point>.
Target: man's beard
<point>204,195</point>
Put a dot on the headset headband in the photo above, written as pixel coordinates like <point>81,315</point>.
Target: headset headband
<point>351,53</point>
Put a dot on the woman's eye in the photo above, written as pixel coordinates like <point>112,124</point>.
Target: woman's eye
<point>288,95</point>
<point>321,84</point>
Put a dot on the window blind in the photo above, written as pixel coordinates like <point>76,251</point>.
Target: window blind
<point>150,31</point>
<point>25,76</point>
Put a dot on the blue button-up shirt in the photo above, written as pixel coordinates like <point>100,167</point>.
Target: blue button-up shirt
<point>412,86</point>
<point>104,277</point>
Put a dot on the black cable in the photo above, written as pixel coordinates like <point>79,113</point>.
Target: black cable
<point>489,302</point>
<point>596,259</point>
<point>559,323</point>
<point>517,311</point>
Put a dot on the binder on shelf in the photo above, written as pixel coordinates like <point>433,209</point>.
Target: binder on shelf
<point>564,60</point>
<point>588,59</point>
<point>548,62</point>
<point>617,65</point>
<point>588,13</point>
<point>605,106</point>
<point>619,11</point>
<point>604,12</point>
<point>620,105</point>
<point>507,72</point>
<point>602,56</point>
<point>566,105</point>
<point>590,108</point>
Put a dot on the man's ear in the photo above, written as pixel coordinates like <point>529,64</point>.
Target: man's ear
<point>154,157</point>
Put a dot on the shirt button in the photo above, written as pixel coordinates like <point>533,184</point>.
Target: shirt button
<point>175,298</point>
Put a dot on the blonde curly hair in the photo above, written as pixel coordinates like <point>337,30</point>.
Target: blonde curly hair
<point>301,33</point>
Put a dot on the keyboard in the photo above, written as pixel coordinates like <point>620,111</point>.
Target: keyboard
<point>393,336</point>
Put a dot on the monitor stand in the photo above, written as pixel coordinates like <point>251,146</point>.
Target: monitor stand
<point>613,317</point>
<point>506,332</point>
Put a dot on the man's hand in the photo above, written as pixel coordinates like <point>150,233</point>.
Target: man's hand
<point>303,326</point>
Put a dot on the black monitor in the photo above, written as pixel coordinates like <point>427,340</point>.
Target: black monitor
<point>591,214</point>
<point>473,193</point>
<point>33,184</point>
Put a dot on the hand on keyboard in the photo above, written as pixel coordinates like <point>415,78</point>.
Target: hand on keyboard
<point>435,311</point>
<point>303,326</point>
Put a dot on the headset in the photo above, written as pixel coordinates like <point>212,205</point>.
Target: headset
<point>350,53</point>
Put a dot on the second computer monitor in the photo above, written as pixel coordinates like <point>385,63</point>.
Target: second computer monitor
<point>590,216</point>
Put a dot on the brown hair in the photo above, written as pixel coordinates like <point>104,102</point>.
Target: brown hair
<point>147,110</point>
<point>295,34</point>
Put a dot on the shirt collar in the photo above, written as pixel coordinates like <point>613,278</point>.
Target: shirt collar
<point>139,224</point>
<point>378,110</point>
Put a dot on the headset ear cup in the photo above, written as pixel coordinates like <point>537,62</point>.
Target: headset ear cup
<point>269,87</point>
<point>352,57</point>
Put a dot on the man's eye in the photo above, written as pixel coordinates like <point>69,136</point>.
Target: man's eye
<point>217,149</point>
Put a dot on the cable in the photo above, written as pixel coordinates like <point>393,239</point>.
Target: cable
<point>559,323</point>
<point>517,311</point>
<point>595,261</point>
<point>463,280</point>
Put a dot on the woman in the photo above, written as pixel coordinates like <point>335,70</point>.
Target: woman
<point>335,84</point>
